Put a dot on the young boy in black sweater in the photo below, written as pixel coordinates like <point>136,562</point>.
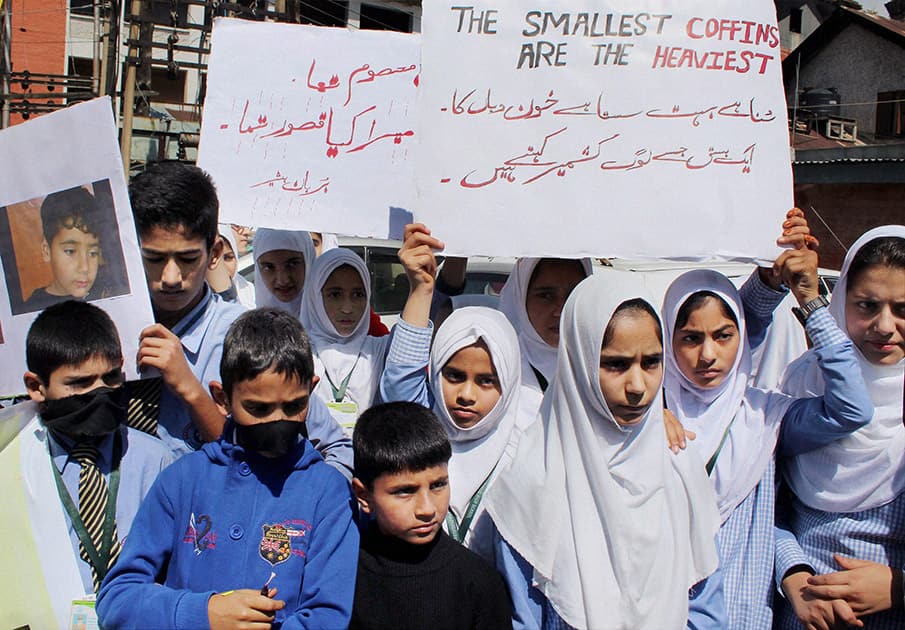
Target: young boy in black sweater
<point>410,573</point>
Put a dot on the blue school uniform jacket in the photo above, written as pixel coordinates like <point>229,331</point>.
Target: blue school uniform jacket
<point>221,519</point>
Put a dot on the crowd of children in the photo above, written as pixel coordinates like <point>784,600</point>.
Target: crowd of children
<point>291,466</point>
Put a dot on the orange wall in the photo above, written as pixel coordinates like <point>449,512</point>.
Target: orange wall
<point>38,40</point>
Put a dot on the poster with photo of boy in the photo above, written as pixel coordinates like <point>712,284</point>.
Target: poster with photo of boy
<point>74,232</point>
<point>66,230</point>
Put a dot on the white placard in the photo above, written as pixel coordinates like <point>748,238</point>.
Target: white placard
<point>579,127</point>
<point>96,259</point>
<point>309,127</point>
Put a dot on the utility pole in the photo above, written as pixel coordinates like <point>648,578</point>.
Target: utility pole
<point>6,32</point>
<point>132,61</point>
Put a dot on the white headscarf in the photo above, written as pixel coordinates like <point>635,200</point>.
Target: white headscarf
<point>479,450</point>
<point>268,240</point>
<point>337,355</point>
<point>328,242</point>
<point>865,469</point>
<point>536,352</point>
<point>616,528</point>
<point>751,416</point>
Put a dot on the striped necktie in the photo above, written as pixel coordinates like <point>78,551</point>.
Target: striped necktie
<point>144,404</point>
<point>93,497</point>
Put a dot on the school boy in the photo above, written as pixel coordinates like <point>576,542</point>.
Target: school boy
<point>74,477</point>
<point>71,246</point>
<point>175,207</point>
<point>254,527</point>
<point>410,573</point>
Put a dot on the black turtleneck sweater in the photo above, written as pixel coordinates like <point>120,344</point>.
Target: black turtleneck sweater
<point>435,586</point>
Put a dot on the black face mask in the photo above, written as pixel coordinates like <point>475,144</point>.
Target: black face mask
<point>270,439</point>
<point>90,415</point>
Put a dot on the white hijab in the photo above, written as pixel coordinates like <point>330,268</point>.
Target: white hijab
<point>336,355</point>
<point>536,352</point>
<point>865,469</point>
<point>616,528</point>
<point>268,240</point>
<point>751,416</point>
<point>478,451</point>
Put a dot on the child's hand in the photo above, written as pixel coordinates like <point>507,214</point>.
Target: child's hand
<point>244,608</point>
<point>867,587</point>
<point>675,432</point>
<point>798,270</point>
<point>417,256</point>
<point>815,613</point>
<point>796,232</point>
<point>160,348</point>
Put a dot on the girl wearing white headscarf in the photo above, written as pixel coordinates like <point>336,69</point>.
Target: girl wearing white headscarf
<point>849,496</point>
<point>538,339</point>
<point>482,451</point>
<point>602,527</point>
<point>485,406</point>
<point>738,426</point>
<point>349,364</point>
<point>281,276</point>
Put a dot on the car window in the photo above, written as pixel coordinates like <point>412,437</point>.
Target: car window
<point>389,284</point>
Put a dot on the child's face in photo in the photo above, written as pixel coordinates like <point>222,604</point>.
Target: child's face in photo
<point>470,385</point>
<point>345,299</point>
<point>551,284</point>
<point>72,380</point>
<point>707,345</point>
<point>268,397</point>
<point>631,366</point>
<point>283,272</point>
<point>74,257</point>
<point>875,314</point>
<point>175,264</point>
<point>409,506</point>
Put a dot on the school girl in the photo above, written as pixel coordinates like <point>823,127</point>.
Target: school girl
<point>532,299</point>
<point>708,366</point>
<point>240,289</point>
<point>599,525</point>
<point>335,312</point>
<point>283,259</point>
<point>471,377</point>
<point>844,547</point>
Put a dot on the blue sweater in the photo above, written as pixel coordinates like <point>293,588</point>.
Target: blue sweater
<point>221,519</point>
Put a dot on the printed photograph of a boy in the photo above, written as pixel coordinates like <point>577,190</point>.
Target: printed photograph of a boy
<point>68,249</point>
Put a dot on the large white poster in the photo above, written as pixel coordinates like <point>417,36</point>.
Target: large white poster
<point>66,230</point>
<point>580,127</point>
<point>310,127</point>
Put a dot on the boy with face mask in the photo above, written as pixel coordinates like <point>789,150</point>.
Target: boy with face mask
<point>74,477</point>
<point>254,527</point>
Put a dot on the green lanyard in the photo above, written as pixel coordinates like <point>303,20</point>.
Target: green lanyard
<point>712,461</point>
<point>458,530</point>
<point>100,558</point>
<point>339,394</point>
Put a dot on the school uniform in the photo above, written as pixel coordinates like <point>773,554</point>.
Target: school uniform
<point>202,332</point>
<point>348,366</point>
<point>848,497</point>
<point>615,528</point>
<point>481,452</point>
<point>221,519</point>
<point>43,570</point>
<point>738,428</point>
<point>538,357</point>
